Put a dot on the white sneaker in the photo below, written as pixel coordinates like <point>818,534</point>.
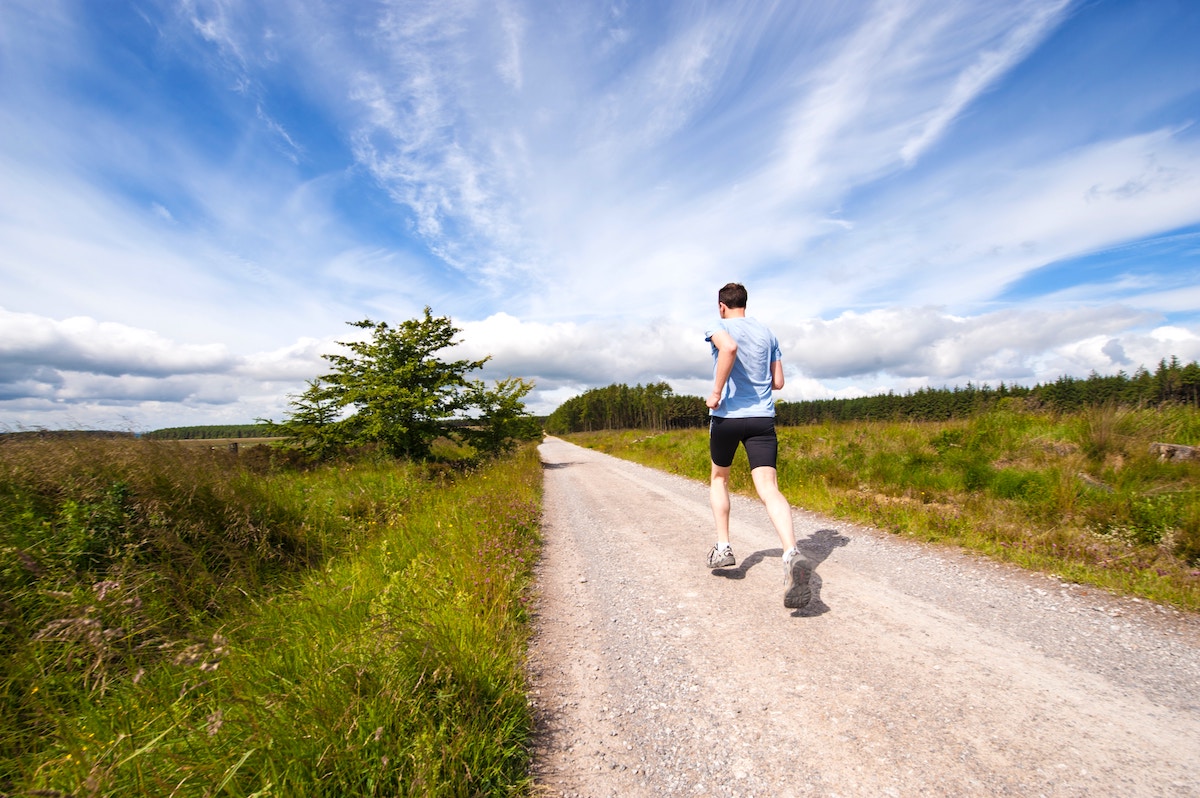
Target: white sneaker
<point>797,573</point>
<point>721,557</point>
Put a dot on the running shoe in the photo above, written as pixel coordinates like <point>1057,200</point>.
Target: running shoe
<point>797,573</point>
<point>721,557</point>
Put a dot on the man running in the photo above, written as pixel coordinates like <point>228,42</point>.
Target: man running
<point>747,367</point>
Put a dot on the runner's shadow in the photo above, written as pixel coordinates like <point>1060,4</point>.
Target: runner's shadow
<point>548,466</point>
<point>817,548</point>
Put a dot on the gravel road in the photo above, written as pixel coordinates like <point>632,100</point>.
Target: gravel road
<point>913,671</point>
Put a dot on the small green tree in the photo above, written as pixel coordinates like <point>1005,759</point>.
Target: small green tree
<point>313,420</point>
<point>502,419</point>
<point>394,390</point>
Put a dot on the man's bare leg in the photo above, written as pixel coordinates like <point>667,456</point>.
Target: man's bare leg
<point>766,482</point>
<point>797,570</point>
<point>718,496</point>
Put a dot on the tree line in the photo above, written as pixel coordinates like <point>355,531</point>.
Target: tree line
<point>210,431</point>
<point>653,407</point>
<point>656,407</point>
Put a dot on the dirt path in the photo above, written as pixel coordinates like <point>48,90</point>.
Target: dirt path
<point>914,671</point>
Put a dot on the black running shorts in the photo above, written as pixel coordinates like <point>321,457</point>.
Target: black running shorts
<point>756,434</point>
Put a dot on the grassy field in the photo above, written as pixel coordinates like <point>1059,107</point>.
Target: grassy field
<point>1081,496</point>
<point>219,443</point>
<point>181,622</point>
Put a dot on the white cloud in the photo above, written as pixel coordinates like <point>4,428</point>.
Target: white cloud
<point>512,29</point>
<point>295,363</point>
<point>911,342</point>
<point>595,353</point>
<point>675,227</point>
<point>853,354</point>
<point>964,235</point>
<point>80,368</point>
<point>1030,28</point>
<point>86,345</point>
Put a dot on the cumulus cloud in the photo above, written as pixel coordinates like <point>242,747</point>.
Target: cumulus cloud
<point>910,342</point>
<point>80,367</point>
<point>300,361</point>
<point>596,353</point>
<point>85,345</point>
<point>853,354</point>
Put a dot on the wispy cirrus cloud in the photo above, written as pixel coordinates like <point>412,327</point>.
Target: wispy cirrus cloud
<point>971,230</point>
<point>1025,31</point>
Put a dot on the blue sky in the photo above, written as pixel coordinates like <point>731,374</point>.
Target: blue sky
<point>197,196</point>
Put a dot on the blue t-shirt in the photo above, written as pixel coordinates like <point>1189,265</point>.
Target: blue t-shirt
<point>748,389</point>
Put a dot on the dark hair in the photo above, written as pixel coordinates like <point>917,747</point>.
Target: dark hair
<point>733,295</point>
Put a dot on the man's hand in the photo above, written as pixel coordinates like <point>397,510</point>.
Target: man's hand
<point>714,400</point>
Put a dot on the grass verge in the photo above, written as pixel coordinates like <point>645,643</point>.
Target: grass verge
<point>178,625</point>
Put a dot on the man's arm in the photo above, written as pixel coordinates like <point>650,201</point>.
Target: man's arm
<point>726,355</point>
<point>777,374</point>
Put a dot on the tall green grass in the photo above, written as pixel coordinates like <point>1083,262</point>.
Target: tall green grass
<point>1079,495</point>
<point>177,623</point>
